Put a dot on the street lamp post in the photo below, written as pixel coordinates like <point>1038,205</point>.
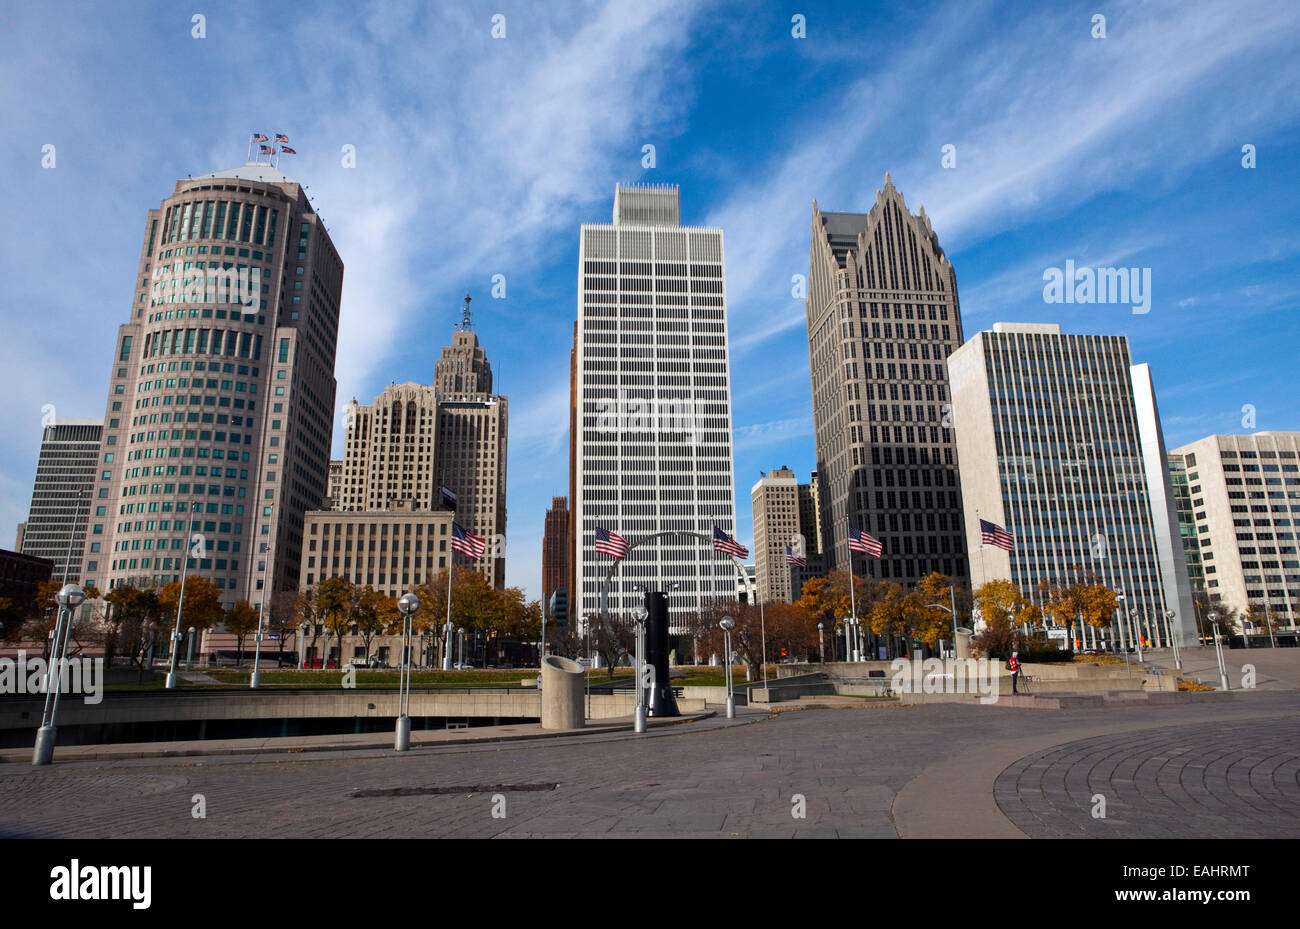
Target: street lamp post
<point>639,617</point>
<point>256,676</point>
<point>953,612</point>
<point>586,634</point>
<point>1136,631</point>
<point>195,539</point>
<point>407,606</point>
<point>727,625</point>
<point>302,637</point>
<point>1173,637</point>
<point>1119,636</point>
<point>325,650</point>
<point>821,643</point>
<point>1213,617</point>
<point>69,598</point>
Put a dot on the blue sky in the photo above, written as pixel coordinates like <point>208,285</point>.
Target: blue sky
<point>478,156</point>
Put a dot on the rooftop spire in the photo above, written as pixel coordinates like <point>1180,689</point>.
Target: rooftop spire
<point>464,322</point>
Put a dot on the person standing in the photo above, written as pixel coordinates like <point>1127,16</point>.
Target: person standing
<point>1013,664</point>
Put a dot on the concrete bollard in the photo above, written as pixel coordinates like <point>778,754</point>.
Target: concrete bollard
<point>562,693</point>
<point>963,643</point>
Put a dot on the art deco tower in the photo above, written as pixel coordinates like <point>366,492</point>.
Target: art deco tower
<point>415,439</point>
<point>221,392</point>
<point>883,317</point>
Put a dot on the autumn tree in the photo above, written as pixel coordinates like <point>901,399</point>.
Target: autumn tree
<point>86,625</point>
<point>282,618</point>
<point>905,615</point>
<point>792,625</point>
<point>1002,607</point>
<point>826,599</point>
<point>791,631</point>
<point>1264,619</point>
<point>202,602</point>
<point>936,588</point>
<point>1085,600</point>
<point>133,612</point>
<point>306,610</point>
<point>373,615</point>
<point>475,605</point>
<point>336,604</point>
<point>1203,605</point>
<point>612,637</point>
<point>241,621</point>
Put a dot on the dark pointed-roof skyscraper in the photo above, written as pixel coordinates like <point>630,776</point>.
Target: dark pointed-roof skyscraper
<point>883,317</point>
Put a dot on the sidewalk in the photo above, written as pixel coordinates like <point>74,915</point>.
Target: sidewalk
<point>420,738</point>
<point>1275,668</point>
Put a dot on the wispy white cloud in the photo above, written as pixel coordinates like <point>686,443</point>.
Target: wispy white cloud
<point>1043,118</point>
<point>757,435</point>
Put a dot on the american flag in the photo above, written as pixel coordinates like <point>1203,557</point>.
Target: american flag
<point>468,544</point>
<point>611,543</point>
<point>995,535</point>
<point>725,543</point>
<point>266,149</point>
<point>260,137</point>
<point>287,150</point>
<point>860,541</point>
<point>792,559</point>
<point>282,138</point>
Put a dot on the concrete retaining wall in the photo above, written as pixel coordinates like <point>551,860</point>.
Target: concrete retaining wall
<point>180,705</point>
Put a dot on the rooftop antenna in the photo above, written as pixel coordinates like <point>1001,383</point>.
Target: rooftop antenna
<point>464,324</point>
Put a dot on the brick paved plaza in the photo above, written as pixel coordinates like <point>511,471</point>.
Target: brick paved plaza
<point>1217,767</point>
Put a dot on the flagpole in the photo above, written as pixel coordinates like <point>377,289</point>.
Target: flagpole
<point>853,602</point>
<point>446,644</point>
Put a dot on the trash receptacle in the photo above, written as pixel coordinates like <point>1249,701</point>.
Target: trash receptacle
<point>562,690</point>
<point>963,643</point>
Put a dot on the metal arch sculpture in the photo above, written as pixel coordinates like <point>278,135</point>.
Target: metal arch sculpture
<point>610,572</point>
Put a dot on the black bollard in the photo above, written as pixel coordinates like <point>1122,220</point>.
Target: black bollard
<point>662,702</point>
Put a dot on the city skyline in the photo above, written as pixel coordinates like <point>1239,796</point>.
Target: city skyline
<point>1083,177</point>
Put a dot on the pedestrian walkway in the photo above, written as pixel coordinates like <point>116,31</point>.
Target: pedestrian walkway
<point>1275,668</point>
<point>933,770</point>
